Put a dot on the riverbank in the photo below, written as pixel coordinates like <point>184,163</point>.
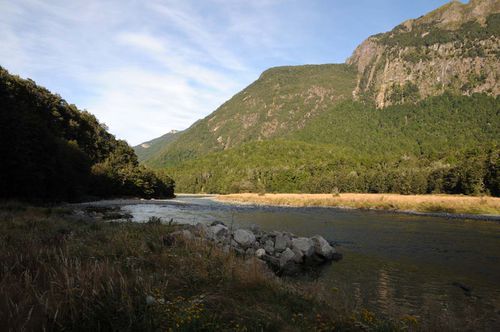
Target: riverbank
<point>62,270</point>
<point>484,207</point>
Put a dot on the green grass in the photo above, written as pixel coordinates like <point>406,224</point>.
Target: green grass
<point>61,273</point>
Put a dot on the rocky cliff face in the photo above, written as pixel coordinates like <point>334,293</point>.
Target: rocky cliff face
<point>454,48</point>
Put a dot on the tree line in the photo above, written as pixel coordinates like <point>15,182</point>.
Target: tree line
<point>444,144</point>
<point>53,151</point>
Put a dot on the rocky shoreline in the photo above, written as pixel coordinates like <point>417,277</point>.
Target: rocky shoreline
<point>283,252</point>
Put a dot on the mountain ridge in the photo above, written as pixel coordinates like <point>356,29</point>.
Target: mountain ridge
<point>147,149</point>
<point>450,52</point>
<point>453,48</point>
<point>282,107</point>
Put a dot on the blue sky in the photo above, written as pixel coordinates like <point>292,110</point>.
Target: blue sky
<point>147,67</point>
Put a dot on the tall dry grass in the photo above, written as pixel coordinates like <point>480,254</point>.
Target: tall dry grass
<point>58,272</point>
<point>390,202</point>
<point>61,273</point>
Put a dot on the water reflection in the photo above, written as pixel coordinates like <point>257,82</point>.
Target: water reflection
<point>384,291</point>
<point>394,264</point>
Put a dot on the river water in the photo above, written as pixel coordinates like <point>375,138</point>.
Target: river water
<point>432,268</point>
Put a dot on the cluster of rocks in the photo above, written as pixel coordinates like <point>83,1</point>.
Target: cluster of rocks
<point>284,252</point>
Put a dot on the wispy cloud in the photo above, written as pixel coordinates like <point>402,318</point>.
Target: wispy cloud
<point>146,67</point>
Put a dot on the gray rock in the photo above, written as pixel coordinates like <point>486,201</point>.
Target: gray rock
<point>273,261</point>
<point>217,232</point>
<point>322,247</point>
<point>299,256</point>
<point>287,257</point>
<point>304,244</point>
<point>150,300</point>
<point>217,222</point>
<point>260,253</point>
<point>244,238</point>
<point>269,246</point>
<point>184,234</point>
<point>283,252</point>
<point>283,241</point>
<point>255,229</point>
<point>201,229</point>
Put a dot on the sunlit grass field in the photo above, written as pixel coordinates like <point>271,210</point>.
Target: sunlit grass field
<point>391,202</point>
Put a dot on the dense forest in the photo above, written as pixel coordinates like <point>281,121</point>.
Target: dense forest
<point>53,151</point>
<point>444,144</point>
<point>414,110</point>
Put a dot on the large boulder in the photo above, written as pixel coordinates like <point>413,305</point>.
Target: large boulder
<point>217,232</point>
<point>272,261</point>
<point>299,256</point>
<point>201,229</point>
<point>183,234</point>
<point>244,238</point>
<point>287,257</point>
<point>304,244</point>
<point>289,263</point>
<point>269,246</point>
<point>282,242</point>
<point>322,247</point>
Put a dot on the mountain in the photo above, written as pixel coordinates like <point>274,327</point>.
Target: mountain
<point>410,111</point>
<point>454,48</point>
<point>146,150</point>
<point>283,99</point>
<point>52,151</point>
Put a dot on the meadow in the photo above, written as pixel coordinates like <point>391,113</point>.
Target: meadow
<point>458,204</point>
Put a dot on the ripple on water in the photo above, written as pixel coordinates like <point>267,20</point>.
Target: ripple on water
<point>393,264</point>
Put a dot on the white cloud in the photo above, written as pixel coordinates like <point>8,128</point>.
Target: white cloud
<point>143,68</point>
<point>199,32</point>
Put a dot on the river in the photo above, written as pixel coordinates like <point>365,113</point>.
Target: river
<point>394,264</point>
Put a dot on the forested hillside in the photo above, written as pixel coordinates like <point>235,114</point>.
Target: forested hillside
<point>53,151</point>
<point>149,149</point>
<point>413,110</point>
<point>445,144</point>
<point>283,99</point>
